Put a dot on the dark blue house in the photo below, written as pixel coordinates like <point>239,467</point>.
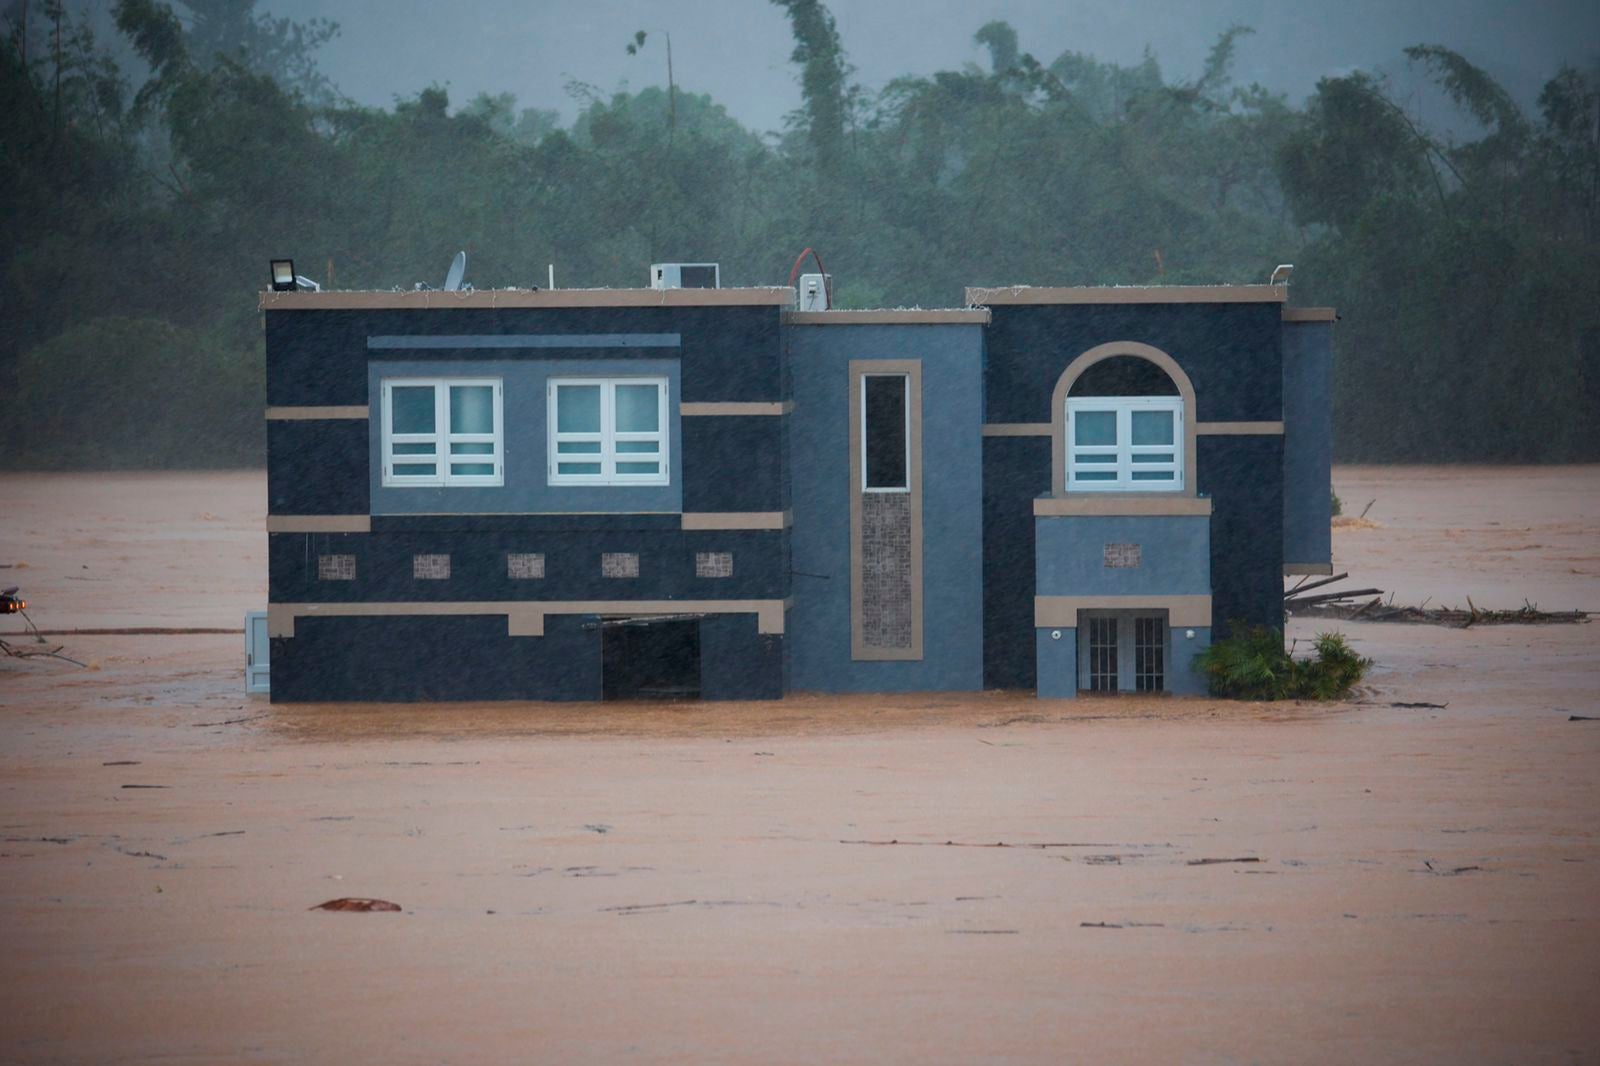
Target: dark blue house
<point>586,494</point>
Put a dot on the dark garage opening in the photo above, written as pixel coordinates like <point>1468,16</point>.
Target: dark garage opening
<point>648,659</point>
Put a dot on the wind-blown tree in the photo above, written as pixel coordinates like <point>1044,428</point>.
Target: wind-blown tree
<point>1466,272</point>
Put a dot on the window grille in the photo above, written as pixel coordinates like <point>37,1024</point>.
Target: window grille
<point>713,564</point>
<point>523,566</point>
<point>619,564</point>
<point>430,567</point>
<point>336,568</point>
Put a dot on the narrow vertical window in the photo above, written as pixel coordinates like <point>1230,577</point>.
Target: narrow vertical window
<point>885,433</point>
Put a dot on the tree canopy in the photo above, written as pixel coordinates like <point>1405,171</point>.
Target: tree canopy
<point>142,208</point>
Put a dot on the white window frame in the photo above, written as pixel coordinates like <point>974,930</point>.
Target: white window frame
<point>608,436</point>
<point>442,438</point>
<point>1124,466</point>
<point>905,386</point>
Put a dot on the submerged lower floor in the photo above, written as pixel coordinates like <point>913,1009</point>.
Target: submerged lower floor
<point>587,651</point>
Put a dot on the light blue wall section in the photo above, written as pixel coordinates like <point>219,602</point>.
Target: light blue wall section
<point>1182,678</point>
<point>1307,442</point>
<point>1058,663</point>
<point>1175,555</point>
<point>818,636</point>
<point>526,443</point>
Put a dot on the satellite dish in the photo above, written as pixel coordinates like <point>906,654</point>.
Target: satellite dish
<point>458,269</point>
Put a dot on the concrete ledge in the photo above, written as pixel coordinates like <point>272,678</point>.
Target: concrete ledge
<point>1061,612</point>
<point>1116,503</point>
<point>775,296</point>
<point>1297,569</point>
<point>1238,429</point>
<point>976,316</point>
<point>1129,294</point>
<point>308,414</point>
<point>1310,314</point>
<point>319,523</point>
<point>737,519</point>
<point>525,618</point>
<point>731,408</point>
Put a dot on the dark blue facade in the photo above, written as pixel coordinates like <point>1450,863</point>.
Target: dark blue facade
<point>759,546</point>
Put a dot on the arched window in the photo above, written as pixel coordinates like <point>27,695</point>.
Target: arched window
<point>1124,424</point>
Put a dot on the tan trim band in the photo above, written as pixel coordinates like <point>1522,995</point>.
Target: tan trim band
<point>1117,504</point>
<point>703,410</point>
<point>319,523</point>
<point>1238,429</point>
<point>1297,569</point>
<point>1129,294</point>
<point>976,316</point>
<point>1016,429</point>
<point>1310,314</point>
<point>779,295</point>
<point>1076,369</point>
<point>738,519</point>
<point>525,618</point>
<point>1062,611</point>
<point>307,414</point>
<point>860,650</point>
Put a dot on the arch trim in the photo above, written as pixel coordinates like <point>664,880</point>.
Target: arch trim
<point>1058,411</point>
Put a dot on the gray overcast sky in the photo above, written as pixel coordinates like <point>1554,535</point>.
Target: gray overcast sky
<point>738,50</point>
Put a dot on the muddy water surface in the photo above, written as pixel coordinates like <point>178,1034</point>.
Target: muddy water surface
<point>813,880</point>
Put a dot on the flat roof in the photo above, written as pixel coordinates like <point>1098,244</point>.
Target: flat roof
<point>897,316</point>
<point>775,296</point>
<point>1128,294</point>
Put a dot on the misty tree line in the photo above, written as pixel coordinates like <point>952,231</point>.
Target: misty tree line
<point>141,209</point>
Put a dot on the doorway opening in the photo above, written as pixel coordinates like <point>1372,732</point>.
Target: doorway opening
<point>1123,651</point>
<point>650,658</point>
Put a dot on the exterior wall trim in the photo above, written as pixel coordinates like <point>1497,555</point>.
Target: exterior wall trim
<point>978,316</point>
<point>525,618</point>
<point>1310,314</point>
<point>1128,294</point>
<point>494,341</point>
<point>1076,369</point>
<point>777,296</point>
<point>1239,429</point>
<point>1061,612</point>
<point>734,407</point>
<point>860,651</point>
<point>1119,504</point>
<point>1016,429</point>
<point>319,523</point>
<point>1297,569</point>
<point>737,519</point>
<point>307,414</point>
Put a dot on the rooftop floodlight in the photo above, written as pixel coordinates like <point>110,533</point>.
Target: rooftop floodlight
<point>283,275</point>
<point>1280,276</point>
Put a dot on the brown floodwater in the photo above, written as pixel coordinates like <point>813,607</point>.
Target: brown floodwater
<point>813,879</point>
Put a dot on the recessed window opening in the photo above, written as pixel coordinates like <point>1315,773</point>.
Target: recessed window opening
<point>885,433</point>
<point>443,431</point>
<point>644,659</point>
<point>1125,432</point>
<point>608,431</point>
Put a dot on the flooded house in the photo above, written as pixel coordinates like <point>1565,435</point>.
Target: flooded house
<point>733,493</point>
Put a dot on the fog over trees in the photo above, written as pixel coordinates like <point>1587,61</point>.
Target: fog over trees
<point>153,162</point>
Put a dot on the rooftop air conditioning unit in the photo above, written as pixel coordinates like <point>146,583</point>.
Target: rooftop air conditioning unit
<point>685,276</point>
<point>813,292</point>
